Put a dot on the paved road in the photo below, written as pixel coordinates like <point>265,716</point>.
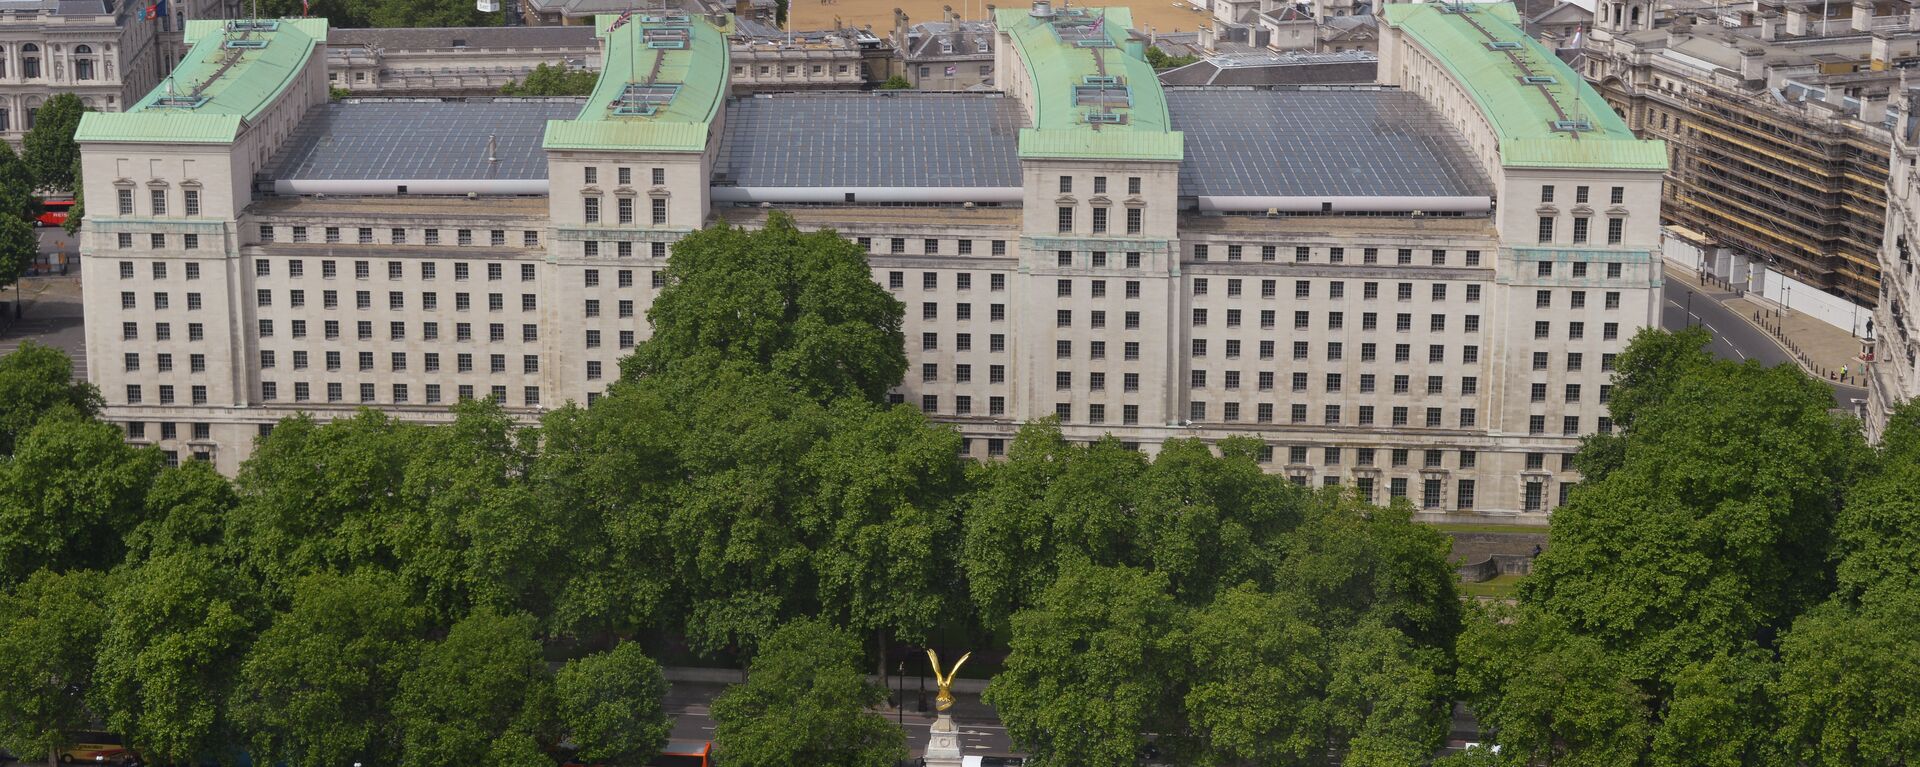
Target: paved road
<point>1733,337</point>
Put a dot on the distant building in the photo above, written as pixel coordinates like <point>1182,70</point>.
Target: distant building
<point>1893,377</point>
<point>1777,119</point>
<point>1325,271</point>
<point>107,53</point>
<point>1267,68</point>
<point>451,62</point>
<point>1320,26</point>
<point>947,55</point>
<point>766,59</point>
<point>1560,27</point>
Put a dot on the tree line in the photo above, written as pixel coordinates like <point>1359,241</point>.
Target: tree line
<point>1726,588</point>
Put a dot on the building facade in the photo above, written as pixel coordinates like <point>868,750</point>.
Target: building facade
<point>451,61</point>
<point>1416,288</point>
<point>108,54</point>
<point>1893,374</point>
<point>1777,120</point>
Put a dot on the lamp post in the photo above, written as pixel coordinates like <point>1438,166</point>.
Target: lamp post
<point>900,695</point>
<point>1689,317</point>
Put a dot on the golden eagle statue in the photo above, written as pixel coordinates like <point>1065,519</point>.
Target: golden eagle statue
<point>944,700</point>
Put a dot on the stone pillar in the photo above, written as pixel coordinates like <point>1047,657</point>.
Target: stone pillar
<point>943,743</point>
<point>1882,51</point>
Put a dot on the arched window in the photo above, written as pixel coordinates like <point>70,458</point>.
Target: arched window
<point>82,67</point>
<point>30,61</point>
<point>1635,16</point>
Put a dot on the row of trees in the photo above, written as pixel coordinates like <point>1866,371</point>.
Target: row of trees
<point>1727,588</point>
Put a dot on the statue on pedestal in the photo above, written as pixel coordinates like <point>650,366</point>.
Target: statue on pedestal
<point>943,745</point>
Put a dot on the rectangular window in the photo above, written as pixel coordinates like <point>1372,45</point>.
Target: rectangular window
<point>1065,219</point>
<point>1546,228</point>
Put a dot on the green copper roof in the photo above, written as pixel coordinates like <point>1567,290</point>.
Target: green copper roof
<point>233,72</point>
<point>1483,47</point>
<point>1085,74</point>
<point>663,84</point>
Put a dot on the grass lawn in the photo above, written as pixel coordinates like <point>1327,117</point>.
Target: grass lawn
<point>1449,527</point>
<point>1501,587</point>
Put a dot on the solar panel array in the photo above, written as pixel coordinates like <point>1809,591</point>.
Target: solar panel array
<point>872,140</point>
<point>420,140</point>
<point>1294,143</point>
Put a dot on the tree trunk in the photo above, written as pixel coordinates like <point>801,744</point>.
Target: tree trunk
<point>880,649</point>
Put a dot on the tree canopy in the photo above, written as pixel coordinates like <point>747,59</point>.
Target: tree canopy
<point>805,704</point>
<point>553,80</point>
<point>51,152</point>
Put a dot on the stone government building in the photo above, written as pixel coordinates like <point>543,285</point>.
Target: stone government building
<point>1417,288</point>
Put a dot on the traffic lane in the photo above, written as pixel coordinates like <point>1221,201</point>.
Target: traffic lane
<point>690,705</point>
<point>1734,338</point>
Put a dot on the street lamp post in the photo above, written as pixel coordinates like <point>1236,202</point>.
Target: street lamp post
<point>1689,316</point>
<point>900,695</point>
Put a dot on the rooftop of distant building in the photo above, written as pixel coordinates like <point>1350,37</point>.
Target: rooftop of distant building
<point>234,71</point>
<point>1544,113</point>
<point>662,84</point>
<point>1095,95</point>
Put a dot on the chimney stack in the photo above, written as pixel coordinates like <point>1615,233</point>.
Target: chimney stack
<point>1797,20</point>
<point>1873,108</point>
<point>1770,26</point>
<point>1882,51</point>
<point>1752,64</point>
<point>1862,16</point>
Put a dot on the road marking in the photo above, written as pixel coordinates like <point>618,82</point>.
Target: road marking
<point>1711,329</point>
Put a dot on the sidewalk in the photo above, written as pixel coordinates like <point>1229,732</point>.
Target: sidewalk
<point>1821,349</point>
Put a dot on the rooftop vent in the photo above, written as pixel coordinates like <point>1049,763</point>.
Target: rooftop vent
<point>1503,45</point>
<point>643,100</point>
<point>1102,80</point>
<point>1538,80</point>
<point>1572,126</point>
<point>667,38</point>
<point>247,43</point>
<point>253,25</point>
<point>672,18</point>
<point>179,102</point>
<point>1113,118</point>
<point>1460,8</point>
<point>1102,96</point>
<point>1081,33</point>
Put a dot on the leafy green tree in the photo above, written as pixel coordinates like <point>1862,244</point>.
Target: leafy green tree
<point>896,83</point>
<point>1260,673</point>
<point>553,80</point>
<point>186,508</point>
<point>469,530</point>
<point>805,704</point>
<point>78,213</point>
<point>1211,523</point>
<point>743,566</point>
<point>879,514</point>
<point>1714,532</point>
<point>51,152</point>
<point>16,185</point>
<point>1388,699</point>
<point>1093,668</point>
<point>1048,504</point>
<point>1721,714</point>
<point>179,627</point>
<point>319,497</point>
<point>1351,562</point>
<point>1849,686</point>
<point>1158,59</point>
<point>317,689</point>
<point>802,306</point>
<point>68,496</point>
<point>610,705</point>
<point>18,247</point>
<point>480,696</point>
<point>1549,695</point>
<point>50,627</point>
<point>35,381</point>
<point>606,473</point>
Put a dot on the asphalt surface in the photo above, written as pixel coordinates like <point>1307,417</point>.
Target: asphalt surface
<point>1733,337</point>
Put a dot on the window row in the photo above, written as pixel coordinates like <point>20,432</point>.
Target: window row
<point>1305,254</point>
<point>296,268</point>
<point>624,249</point>
<point>623,176</point>
<point>395,235</point>
<point>157,201</point>
<point>1336,290</point>
<point>931,281</point>
<point>398,394</point>
<point>931,246</point>
<point>397,362</point>
<point>624,209</point>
